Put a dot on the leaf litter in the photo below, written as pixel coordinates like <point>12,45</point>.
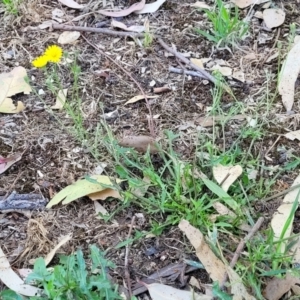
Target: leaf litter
<point>167,106</point>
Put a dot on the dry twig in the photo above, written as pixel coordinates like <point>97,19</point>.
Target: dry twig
<point>187,72</point>
<point>188,62</point>
<point>96,30</point>
<point>241,246</point>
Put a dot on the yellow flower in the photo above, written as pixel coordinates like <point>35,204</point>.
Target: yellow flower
<point>53,53</point>
<point>40,61</point>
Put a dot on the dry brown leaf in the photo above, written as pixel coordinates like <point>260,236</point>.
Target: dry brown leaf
<point>162,89</point>
<point>227,175</point>
<point>68,37</point>
<point>125,12</point>
<point>288,77</point>
<point>7,106</point>
<point>102,195</point>
<point>61,99</point>
<point>238,75</point>
<point>213,265</point>
<point>71,4</point>
<point>5,163</point>
<point>237,287</point>
<point>225,211</point>
<point>199,4</point>
<point>160,291</point>
<point>47,24</point>
<point>13,83</point>
<point>292,135</point>
<point>273,17</point>
<point>12,280</point>
<point>133,28</point>
<point>197,62</point>
<point>211,120</point>
<point>141,143</point>
<point>99,209</point>
<point>277,287</point>
<point>83,187</point>
<point>283,213</point>
<point>243,3</point>
<point>225,71</point>
<point>246,3</point>
<point>138,98</point>
<point>151,7</point>
<point>51,254</point>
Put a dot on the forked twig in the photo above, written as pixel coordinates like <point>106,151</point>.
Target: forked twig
<point>188,62</point>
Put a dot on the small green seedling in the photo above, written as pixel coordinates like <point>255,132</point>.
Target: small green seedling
<point>227,28</point>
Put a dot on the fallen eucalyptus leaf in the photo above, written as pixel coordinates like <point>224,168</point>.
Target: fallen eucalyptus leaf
<point>83,187</point>
<point>61,99</point>
<point>13,281</point>
<point>273,17</point>
<point>125,12</point>
<point>68,37</point>
<point>138,98</point>
<point>159,291</point>
<point>139,143</point>
<point>289,74</point>
<point>71,4</point>
<point>151,7</point>
<point>51,254</point>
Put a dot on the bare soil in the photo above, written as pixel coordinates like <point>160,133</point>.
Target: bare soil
<point>53,158</point>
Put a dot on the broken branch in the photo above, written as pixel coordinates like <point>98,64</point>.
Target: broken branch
<point>96,30</point>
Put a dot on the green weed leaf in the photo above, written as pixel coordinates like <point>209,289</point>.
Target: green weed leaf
<point>220,193</point>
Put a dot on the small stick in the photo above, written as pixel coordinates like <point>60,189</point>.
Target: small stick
<point>241,246</point>
<point>127,274</point>
<point>297,186</point>
<point>188,62</point>
<point>278,138</point>
<point>96,30</point>
<point>181,71</point>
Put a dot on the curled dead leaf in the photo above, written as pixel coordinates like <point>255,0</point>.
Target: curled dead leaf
<point>102,195</point>
<point>151,7</point>
<point>125,12</point>
<point>138,98</point>
<point>273,17</point>
<point>8,107</point>
<point>71,4</point>
<point>61,99</point>
<point>139,143</point>
<point>68,37</point>
<point>289,75</point>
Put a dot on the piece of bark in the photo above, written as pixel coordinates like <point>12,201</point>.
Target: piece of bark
<point>22,201</point>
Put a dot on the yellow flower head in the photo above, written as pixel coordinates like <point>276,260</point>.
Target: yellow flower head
<point>53,53</point>
<point>40,61</point>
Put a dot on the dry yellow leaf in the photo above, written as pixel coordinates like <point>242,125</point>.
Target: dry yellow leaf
<point>8,107</point>
<point>197,62</point>
<point>13,83</point>
<point>61,99</point>
<point>102,195</point>
<point>141,143</point>
<point>213,265</point>
<point>138,98</point>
